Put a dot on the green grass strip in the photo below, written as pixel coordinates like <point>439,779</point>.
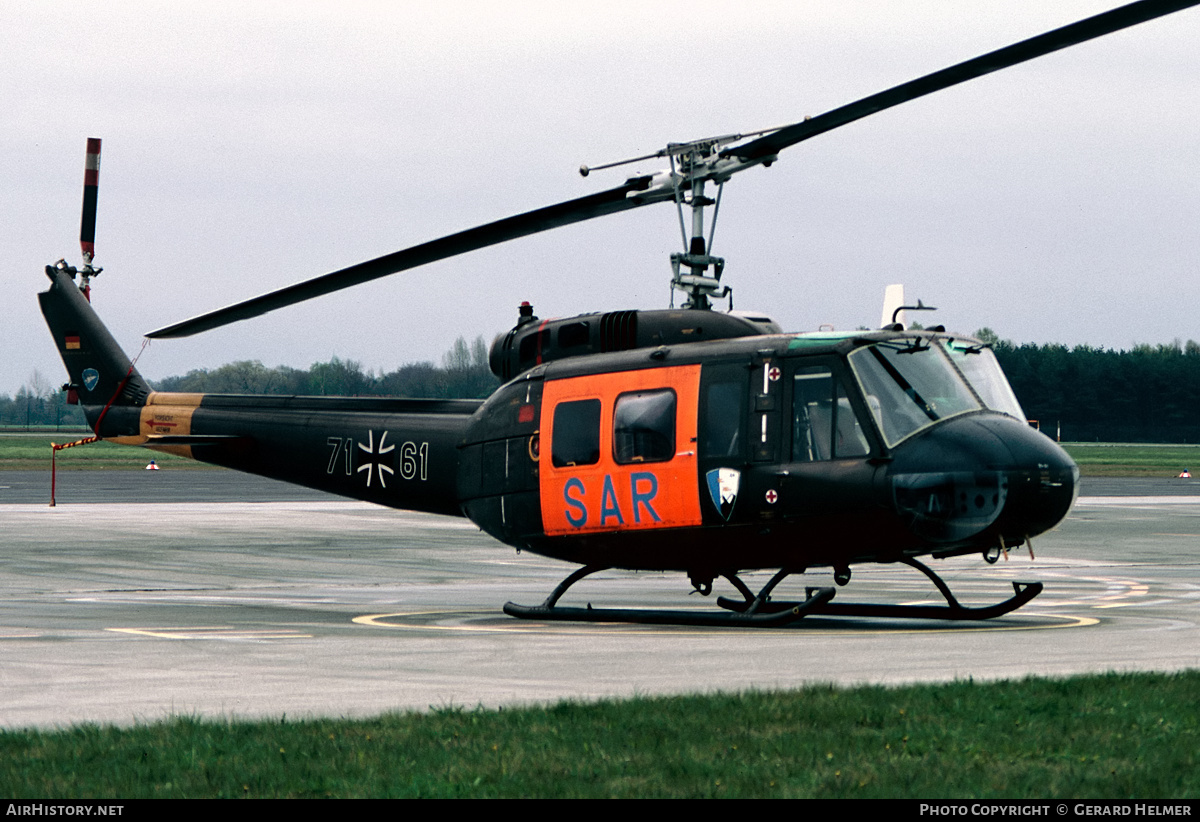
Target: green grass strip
<point>1133,459</point>
<point>32,452</point>
<point>1104,736</point>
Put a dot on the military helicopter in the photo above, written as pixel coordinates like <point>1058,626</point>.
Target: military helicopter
<point>683,439</point>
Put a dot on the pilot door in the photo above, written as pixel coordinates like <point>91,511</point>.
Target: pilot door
<point>622,451</point>
<point>778,437</point>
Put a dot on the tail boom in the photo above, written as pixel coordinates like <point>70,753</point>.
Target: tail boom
<point>395,452</point>
<point>399,453</point>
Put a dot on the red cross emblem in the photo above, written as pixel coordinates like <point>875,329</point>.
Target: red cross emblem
<point>774,373</point>
<point>772,496</point>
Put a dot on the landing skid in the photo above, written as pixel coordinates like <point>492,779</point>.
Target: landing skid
<point>1023,592</point>
<point>760,611</point>
<point>754,614</point>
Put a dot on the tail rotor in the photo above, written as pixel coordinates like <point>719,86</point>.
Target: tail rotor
<point>87,223</point>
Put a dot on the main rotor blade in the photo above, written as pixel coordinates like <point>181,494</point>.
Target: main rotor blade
<point>1073,34</point>
<point>611,201</point>
<point>624,197</point>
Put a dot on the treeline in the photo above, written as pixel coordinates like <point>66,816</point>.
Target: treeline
<point>1148,394</point>
<point>31,408</point>
<point>463,374</point>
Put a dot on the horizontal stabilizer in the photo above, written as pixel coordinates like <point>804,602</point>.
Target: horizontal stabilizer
<point>156,440</point>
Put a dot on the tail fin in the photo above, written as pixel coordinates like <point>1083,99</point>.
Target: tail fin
<point>101,374</point>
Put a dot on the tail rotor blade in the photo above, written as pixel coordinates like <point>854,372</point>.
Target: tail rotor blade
<point>91,179</point>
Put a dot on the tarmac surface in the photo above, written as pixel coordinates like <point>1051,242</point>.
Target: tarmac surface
<point>145,595</point>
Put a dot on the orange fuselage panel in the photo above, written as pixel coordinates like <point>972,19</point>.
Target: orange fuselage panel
<point>608,495</point>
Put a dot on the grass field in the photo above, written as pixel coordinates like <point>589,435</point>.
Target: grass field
<point>21,451</point>
<point>1109,736</point>
<point>1117,459</point>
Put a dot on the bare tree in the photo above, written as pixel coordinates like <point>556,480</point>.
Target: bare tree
<point>38,386</point>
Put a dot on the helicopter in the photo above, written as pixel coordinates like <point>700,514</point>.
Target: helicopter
<point>683,439</point>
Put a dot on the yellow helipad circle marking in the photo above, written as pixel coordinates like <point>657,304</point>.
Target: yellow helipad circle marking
<point>515,625</point>
<point>18,633</point>
<point>213,632</point>
<point>509,624</point>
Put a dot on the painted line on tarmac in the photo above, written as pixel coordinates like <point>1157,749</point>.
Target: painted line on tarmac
<point>1135,501</point>
<point>213,632</point>
<point>18,633</point>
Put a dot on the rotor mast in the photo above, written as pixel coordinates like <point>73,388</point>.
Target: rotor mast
<point>693,164</point>
<point>699,286</point>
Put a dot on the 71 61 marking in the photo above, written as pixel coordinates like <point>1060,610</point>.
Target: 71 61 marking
<point>414,457</point>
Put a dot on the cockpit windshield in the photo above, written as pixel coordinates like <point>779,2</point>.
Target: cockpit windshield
<point>912,383</point>
<point>978,364</point>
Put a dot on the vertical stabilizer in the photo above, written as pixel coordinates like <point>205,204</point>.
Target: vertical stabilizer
<point>99,370</point>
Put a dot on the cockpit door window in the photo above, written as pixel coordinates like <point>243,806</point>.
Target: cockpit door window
<point>824,425</point>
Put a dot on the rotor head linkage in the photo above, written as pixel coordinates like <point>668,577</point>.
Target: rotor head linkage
<point>693,164</point>
<point>705,146</point>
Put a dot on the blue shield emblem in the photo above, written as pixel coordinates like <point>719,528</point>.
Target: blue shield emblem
<point>90,377</point>
<point>723,488</point>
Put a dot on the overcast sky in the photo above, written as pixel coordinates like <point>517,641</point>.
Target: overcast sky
<point>249,145</point>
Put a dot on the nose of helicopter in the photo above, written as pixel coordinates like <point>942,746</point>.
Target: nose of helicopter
<point>984,471</point>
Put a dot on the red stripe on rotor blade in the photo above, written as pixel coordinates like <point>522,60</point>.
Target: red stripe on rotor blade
<point>91,180</point>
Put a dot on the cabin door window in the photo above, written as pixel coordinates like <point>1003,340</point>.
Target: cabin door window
<point>576,433</point>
